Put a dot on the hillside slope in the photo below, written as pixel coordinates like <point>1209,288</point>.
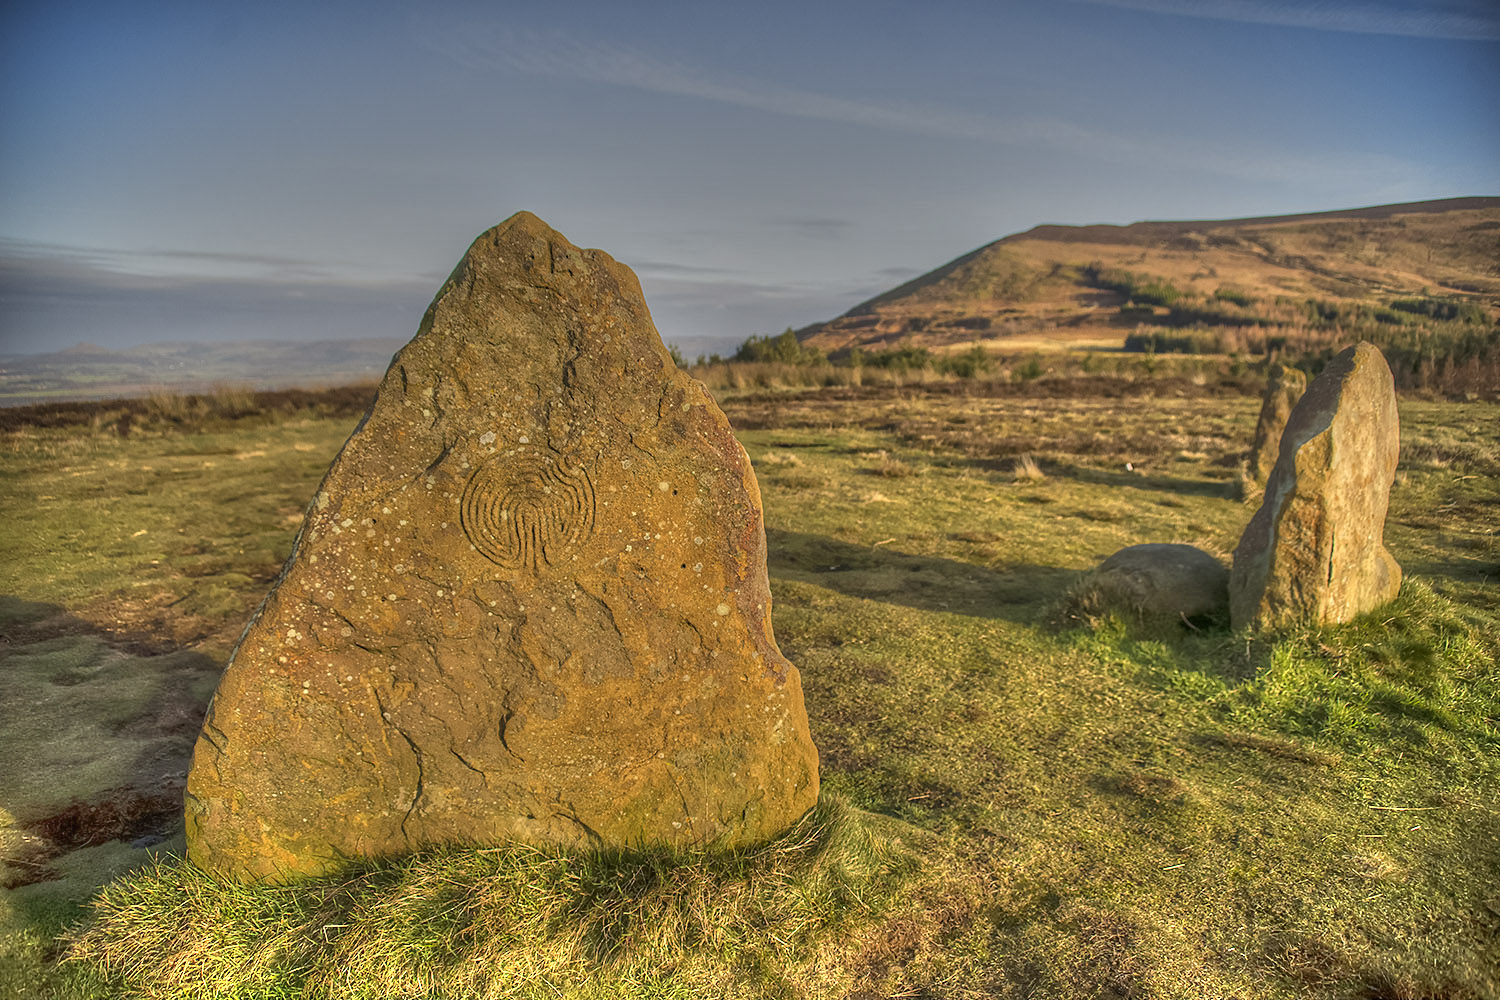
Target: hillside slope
<point>1236,283</point>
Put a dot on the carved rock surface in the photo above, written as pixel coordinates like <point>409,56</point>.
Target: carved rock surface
<point>529,601</point>
<point>1314,551</point>
<point>1284,386</point>
<point>1161,579</point>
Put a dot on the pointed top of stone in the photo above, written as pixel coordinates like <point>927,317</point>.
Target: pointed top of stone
<point>527,220</point>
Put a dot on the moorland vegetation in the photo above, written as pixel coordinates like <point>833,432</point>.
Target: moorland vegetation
<point>1419,281</point>
<point>1022,797</point>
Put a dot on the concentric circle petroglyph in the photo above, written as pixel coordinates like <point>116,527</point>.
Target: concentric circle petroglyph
<point>524,510</point>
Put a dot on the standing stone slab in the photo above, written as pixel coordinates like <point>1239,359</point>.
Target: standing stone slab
<point>1284,386</point>
<point>1314,551</point>
<point>529,601</point>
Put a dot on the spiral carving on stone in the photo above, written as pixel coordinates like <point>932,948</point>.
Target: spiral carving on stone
<point>524,510</point>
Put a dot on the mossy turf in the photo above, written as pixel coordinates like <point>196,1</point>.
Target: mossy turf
<point>815,910</point>
<point>1113,808</point>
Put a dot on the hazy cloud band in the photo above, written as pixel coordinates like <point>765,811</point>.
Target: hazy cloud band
<point>554,55</point>
<point>1478,20</point>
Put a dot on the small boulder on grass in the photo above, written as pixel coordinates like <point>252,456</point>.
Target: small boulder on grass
<point>1158,580</point>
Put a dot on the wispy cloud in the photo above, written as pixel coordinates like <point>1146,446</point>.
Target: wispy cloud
<point>1472,20</point>
<point>173,264</point>
<point>668,269</point>
<point>155,261</point>
<point>53,295</point>
<point>729,292</point>
<point>553,55</point>
<point>50,297</point>
<point>705,316</point>
<point>817,227</point>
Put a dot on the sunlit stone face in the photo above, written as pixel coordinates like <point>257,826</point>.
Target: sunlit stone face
<point>529,602</point>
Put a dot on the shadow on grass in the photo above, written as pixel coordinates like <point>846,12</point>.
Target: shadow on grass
<point>1227,488</point>
<point>108,738</point>
<point>1224,489</point>
<point>1016,593</point>
<point>1461,568</point>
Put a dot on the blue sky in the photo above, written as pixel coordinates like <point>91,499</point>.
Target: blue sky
<point>204,171</point>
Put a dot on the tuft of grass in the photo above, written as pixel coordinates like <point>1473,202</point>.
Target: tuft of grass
<point>812,913</point>
<point>1026,469</point>
<point>781,458</point>
<point>1414,675</point>
<point>893,468</point>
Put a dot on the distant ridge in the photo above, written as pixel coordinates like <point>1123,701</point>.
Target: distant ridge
<point>1043,286</point>
<point>1137,232</point>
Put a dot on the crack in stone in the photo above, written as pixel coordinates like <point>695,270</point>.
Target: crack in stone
<point>461,759</point>
<point>572,817</point>
<point>416,752</point>
<point>438,412</point>
<point>348,622</point>
<point>504,724</point>
<point>214,735</point>
<point>432,466</point>
<point>687,814</point>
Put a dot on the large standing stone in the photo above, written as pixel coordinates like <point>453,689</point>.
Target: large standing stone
<point>1313,551</point>
<point>529,601</point>
<point>1284,386</point>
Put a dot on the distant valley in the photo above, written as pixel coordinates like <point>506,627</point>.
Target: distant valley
<point>86,371</point>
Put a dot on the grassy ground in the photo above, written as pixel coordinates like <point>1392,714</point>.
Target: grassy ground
<point>1106,811</point>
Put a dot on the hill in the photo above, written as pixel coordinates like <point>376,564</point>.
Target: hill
<point>1401,275</point>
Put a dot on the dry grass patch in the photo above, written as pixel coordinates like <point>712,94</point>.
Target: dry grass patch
<point>1026,470</point>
